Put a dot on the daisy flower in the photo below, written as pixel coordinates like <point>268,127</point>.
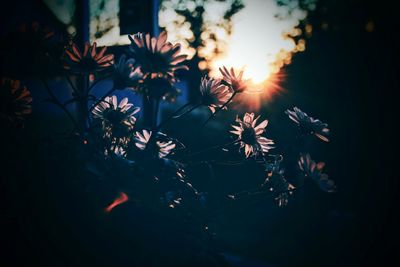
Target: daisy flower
<point>125,73</point>
<point>35,29</point>
<point>308,124</point>
<point>249,135</point>
<point>213,93</point>
<point>163,149</point>
<point>155,56</point>
<point>277,184</point>
<point>314,170</point>
<point>89,61</point>
<point>117,118</point>
<point>15,100</point>
<point>118,151</point>
<point>32,45</point>
<point>236,82</point>
<point>157,88</point>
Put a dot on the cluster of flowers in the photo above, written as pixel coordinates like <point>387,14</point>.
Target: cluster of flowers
<point>150,69</point>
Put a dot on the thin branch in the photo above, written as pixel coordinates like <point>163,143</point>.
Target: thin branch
<point>257,191</point>
<point>72,85</point>
<point>102,99</point>
<point>156,110</point>
<point>58,103</point>
<point>97,81</point>
<point>219,109</point>
<point>175,116</point>
<point>225,162</point>
<point>187,111</point>
<point>214,147</point>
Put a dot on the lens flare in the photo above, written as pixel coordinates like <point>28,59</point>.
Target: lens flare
<point>257,93</point>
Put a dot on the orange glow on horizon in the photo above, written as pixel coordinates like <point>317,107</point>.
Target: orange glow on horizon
<point>122,198</point>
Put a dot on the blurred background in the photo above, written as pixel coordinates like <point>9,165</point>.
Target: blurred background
<point>336,60</point>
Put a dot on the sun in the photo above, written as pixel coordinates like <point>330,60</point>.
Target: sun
<point>257,75</point>
<point>259,43</point>
<point>257,93</point>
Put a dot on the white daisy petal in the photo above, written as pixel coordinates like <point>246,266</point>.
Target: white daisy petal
<point>123,102</point>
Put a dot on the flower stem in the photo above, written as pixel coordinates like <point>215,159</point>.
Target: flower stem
<point>257,191</point>
<point>97,81</point>
<point>214,147</point>
<point>219,109</point>
<point>83,102</point>
<point>148,111</point>
<point>156,110</point>
<point>72,85</point>
<point>55,101</point>
<point>179,110</point>
<point>175,114</point>
<point>187,111</point>
<point>102,99</point>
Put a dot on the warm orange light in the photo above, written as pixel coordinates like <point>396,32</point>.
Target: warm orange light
<point>122,198</point>
<point>258,93</point>
<point>261,44</point>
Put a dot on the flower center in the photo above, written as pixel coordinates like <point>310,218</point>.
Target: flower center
<point>154,63</point>
<point>88,64</point>
<point>209,99</point>
<point>248,135</point>
<point>237,86</point>
<point>158,87</point>
<point>307,127</point>
<point>114,116</point>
